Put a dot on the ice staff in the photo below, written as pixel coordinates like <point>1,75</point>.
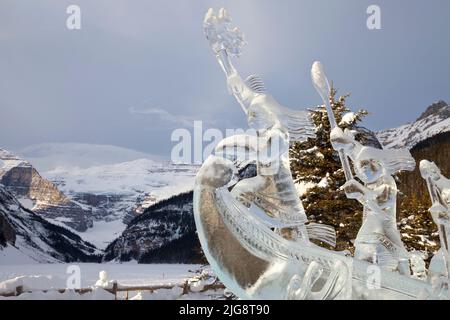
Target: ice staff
<point>322,86</point>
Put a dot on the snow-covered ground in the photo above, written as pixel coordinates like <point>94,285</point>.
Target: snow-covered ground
<point>100,235</point>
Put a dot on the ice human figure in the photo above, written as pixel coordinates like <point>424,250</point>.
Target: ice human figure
<point>272,191</point>
<point>378,240</point>
<point>439,189</point>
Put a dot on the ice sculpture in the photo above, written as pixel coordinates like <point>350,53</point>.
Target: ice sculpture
<point>272,190</point>
<point>378,240</point>
<point>255,233</point>
<point>439,189</point>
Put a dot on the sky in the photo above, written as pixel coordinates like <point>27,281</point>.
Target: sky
<point>137,70</point>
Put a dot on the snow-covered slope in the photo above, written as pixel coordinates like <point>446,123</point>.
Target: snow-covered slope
<point>123,190</point>
<point>163,179</point>
<point>26,236</point>
<point>164,233</point>
<point>435,120</point>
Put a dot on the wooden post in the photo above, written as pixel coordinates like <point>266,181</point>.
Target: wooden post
<point>114,289</point>
<point>185,288</point>
<point>19,290</point>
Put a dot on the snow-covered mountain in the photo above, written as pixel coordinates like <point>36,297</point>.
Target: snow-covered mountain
<point>123,190</point>
<point>40,195</point>
<point>26,236</point>
<point>435,120</point>
<point>164,233</point>
<point>47,156</point>
<point>140,181</point>
<point>113,192</point>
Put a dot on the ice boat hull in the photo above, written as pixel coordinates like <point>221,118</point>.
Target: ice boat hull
<point>256,263</point>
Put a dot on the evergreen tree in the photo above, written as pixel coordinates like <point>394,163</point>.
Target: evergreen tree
<point>318,173</point>
<point>418,230</point>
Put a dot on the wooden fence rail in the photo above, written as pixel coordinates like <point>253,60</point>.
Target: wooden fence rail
<point>116,288</point>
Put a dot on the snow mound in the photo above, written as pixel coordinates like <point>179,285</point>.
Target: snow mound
<point>31,283</point>
<point>161,294</point>
<point>348,118</point>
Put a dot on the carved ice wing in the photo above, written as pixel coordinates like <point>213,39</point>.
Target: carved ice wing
<point>298,123</point>
<point>393,160</point>
<point>398,160</point>
<point>256,84</point>
<point>322,232</point>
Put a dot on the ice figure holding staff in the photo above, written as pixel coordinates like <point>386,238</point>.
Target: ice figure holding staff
<point>272,192</point>
<point>378,240</point>
<point>439,189</point>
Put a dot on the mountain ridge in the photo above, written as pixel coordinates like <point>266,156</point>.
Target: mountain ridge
<point>433,121</point>
<point>39,194</point>
<point>34,237</point>
<point>164,233</point>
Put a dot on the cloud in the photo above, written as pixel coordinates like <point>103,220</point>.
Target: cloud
<point>168,120</point>
<point>164,115</point>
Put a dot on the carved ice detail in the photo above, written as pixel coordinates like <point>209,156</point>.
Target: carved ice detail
<point>439,189</point>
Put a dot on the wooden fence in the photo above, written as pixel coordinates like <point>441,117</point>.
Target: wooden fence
<point>116,288</point>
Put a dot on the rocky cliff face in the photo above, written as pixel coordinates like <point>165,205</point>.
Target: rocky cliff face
<point>164,233</point>
<point>34,237</point>
<point>39,194</point>
<point>7,234</point>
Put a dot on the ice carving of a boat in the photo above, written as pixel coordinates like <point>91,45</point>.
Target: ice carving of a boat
<point>255,262</point>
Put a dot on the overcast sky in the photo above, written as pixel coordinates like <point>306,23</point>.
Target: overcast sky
<point>139,69</point>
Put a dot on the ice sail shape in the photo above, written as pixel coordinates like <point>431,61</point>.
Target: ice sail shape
<point>321,83</point>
